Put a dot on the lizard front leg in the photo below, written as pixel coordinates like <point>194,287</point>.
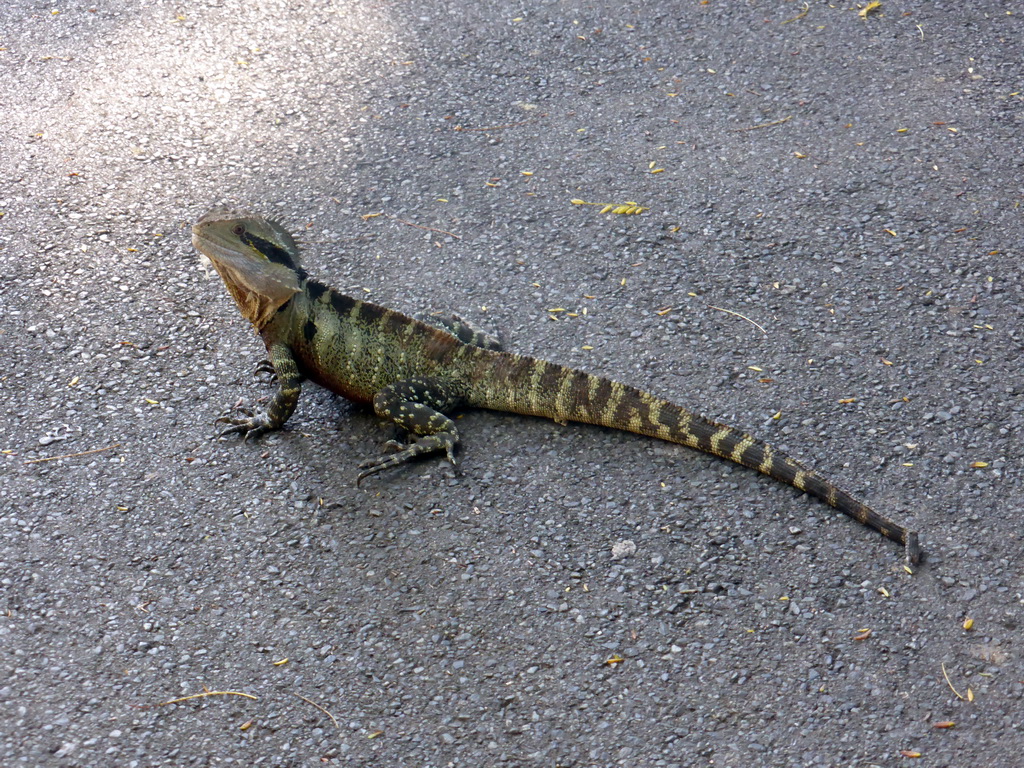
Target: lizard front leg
<point>281,406</point>
<point>416,405</point>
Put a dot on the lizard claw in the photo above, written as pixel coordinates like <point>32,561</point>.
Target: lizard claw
<point>395,453</point>
<point>366,473</point>
<point>379,464</point>
<point>228,420</point>
<point>265,366</point>
<point>249,428</point>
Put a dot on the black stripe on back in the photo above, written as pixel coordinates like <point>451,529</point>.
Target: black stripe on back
<point>627,406</point>
<point>551,377</point>
<point>703,431</point>
<point>784,470</point>
<point>579,393</point>
<point>370,314</point>
<point>669,416</point>
<point>315,290</point>
<point>602,395</point>
<point>728,443</point>
<point>753,456</point>
<point>341,303</point>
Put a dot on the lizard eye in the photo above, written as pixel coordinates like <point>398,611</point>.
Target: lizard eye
<point>238,229</point>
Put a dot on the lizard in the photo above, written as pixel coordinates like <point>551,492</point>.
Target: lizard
<point>416,374</point>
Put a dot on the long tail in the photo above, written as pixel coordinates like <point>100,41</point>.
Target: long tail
<point>538,388</point>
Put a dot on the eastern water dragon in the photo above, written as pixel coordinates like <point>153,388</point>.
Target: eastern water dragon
<point>416,374</point>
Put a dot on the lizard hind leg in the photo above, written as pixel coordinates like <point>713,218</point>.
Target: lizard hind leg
<point>416,405</point>
<point>465,331</point>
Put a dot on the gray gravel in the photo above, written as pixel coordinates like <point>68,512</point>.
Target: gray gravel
<point>851,185</point>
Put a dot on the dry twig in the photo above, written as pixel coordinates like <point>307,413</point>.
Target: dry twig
<point>314,704</point>
<point>420,226</point>
<point>72,455</point>
<point>949,682</point>
<point>763,125</point>
<point>743,317</point>
<point>205,694</point>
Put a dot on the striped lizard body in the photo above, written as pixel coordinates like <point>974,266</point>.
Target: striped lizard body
<point>416,374</point>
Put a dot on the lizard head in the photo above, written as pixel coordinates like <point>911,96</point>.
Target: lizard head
<point>256,258</point>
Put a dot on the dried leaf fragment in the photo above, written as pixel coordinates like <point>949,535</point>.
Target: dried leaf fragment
<point>628,208</point>
<point>869,8</point>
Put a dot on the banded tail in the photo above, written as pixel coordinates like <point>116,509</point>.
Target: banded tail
<point>538,388</point>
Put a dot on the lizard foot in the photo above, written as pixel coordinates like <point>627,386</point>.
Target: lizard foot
<point>250,427</point>
<point>396,453</point>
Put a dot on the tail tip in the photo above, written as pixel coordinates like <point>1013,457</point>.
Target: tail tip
<point>913,548</point>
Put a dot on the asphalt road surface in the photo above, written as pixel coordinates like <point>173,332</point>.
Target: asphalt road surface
<point>829,256</point>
